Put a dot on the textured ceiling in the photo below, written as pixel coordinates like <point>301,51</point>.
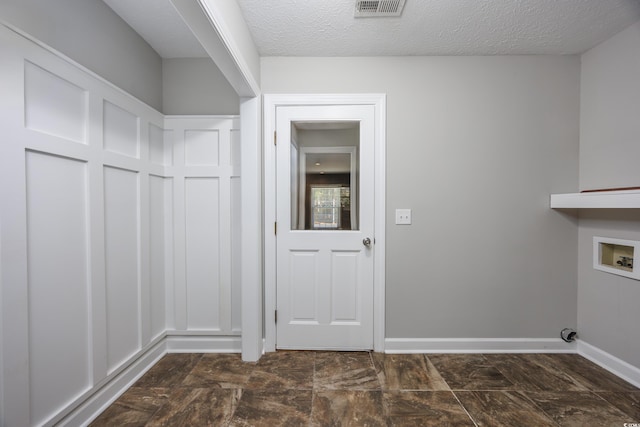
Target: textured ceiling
<point>436,27</point>
<point>426,27</point>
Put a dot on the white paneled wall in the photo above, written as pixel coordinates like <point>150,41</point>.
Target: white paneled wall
<point>206,195</point>
<point>118,227</point>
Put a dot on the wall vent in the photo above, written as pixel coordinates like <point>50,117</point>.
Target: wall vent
<point>378,8</point>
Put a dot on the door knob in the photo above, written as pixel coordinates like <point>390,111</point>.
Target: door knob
<point>367,242</point>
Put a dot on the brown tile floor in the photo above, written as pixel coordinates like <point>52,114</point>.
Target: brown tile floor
<point>299,388</point>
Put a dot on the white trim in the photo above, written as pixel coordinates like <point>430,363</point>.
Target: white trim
<point>104,394</point>
<point>201,117</point>
<point>478,345</point>
<point>101,397</point>
<point>251,240</point>
<point>221,25</point>
<point>271,102</point>
<point>379,238</point>
<point>207,22</point>
<point>180,343</point>
<point>611,363</point>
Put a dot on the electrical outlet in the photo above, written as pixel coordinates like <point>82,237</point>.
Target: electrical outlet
<point>403,216</point>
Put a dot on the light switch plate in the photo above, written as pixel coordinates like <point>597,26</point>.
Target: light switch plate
<point>403,216</point>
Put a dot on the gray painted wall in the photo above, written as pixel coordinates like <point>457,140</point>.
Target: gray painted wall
<point>90,33</point>
<point>608,315</point>
<point>196,86</point>
<point>475,145</point>
<point>610,113</point>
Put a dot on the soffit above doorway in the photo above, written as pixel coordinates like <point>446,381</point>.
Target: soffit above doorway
<point>160,25</point>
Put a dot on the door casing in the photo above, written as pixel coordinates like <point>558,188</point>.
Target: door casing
<point>271,103</point>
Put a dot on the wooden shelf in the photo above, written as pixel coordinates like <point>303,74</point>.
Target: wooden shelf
<point>629,199</point>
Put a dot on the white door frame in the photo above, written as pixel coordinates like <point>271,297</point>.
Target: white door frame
<point>271,102</point>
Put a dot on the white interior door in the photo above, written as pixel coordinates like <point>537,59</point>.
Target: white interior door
<point>325,224</point>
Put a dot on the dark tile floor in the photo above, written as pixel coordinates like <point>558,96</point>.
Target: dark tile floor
<point>300,388</point>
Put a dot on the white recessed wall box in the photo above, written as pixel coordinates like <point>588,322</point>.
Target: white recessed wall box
<point>616,256</point>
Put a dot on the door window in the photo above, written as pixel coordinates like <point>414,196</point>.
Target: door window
<point>324,175</point>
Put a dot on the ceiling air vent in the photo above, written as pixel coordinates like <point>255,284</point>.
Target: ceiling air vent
<point>378,8</point>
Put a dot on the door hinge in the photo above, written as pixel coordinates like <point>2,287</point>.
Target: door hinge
<point>275,228</point>
<point>276,316</point>
<point>275,137</point>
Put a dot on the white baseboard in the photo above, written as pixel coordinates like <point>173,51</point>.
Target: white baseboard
<point>478,345</point>
<point>611,363</point>
<point>102,396</point>
<point>96,400</point>
<point>177,343</point>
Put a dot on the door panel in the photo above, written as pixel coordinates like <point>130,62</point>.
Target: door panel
<point>304,272</point>
<point>345,284</point>
<point>325,205</point>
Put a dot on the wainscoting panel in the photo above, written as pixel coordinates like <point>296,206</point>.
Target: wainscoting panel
<point>122,263</point>
<point>202,255</point>
<point>58,286</point>
<point>120,131</point>
<point>206,210</point>
<point>54,105</point>
<point>76,231</point>
<point>159,195</point>
<point>201,147</point>
<point>119,236</point>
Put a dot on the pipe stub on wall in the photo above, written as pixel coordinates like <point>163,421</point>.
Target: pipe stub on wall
<point>568,334</point>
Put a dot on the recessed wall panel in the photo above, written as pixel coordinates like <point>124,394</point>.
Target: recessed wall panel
<point>344,286</point>
<point>120,129</point>
<point>57,224</point>
<point>202,252</point>
<point>303,279</point>
<point>53,105</point>
<point>201,147</point>
<point>236,319</point>
<point>235,148</point>
<point>121,206</point>
<point>158,192</point>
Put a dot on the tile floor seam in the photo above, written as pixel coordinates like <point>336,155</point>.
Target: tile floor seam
<point>524,393</point>
<point>427,361</point>
<point>595,393</point>
<point>464,409</point>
